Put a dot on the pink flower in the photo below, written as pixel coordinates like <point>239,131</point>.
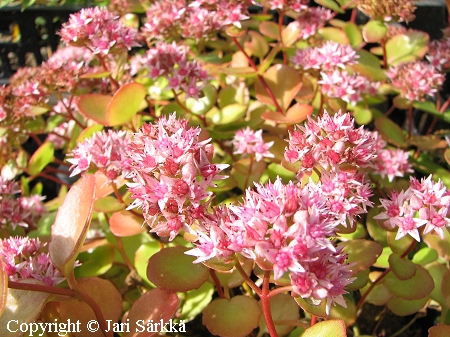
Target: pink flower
<point>392,163</point>
<point>247,141</point>
<point>286,5</point>
<point>311,19</point>
<point>439,54</point>
<point>98,30</point>
<point>24,259</point>
<point>415,80</point>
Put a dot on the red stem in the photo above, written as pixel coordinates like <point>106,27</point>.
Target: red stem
<point>280,36</point>
<point>66,292</point>
<point>212,272</point>
<point>265,301</point>
<point>261,78</point>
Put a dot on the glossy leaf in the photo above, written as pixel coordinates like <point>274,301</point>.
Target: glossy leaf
<point>347,314</point>
<point>104,293</point>
<point>362,115</point>
<point>295,114</point>
<point>23,306</point>
<point>203,104</point>
<point>425,256</point>
<point>284,82</point>
<point>312,307</point>
<point>173,270</point>
<point>331,4</point>
<point>125,103</point>
<point>379,295</point>
<point>334,34</point>
<point>401,307</point>
<point>403,268</point>
<point>94,106</point>
<point>445,287</point>
<point>108,204</point>
<point>256,44</point>
<point>89,131</point>
<point>71,225</point>
<point>441,330</point>
<point>246,72</point>
<point>437,272</point>
<point>232,318</point>
<point>196,300</point>
<point>390,131</point>
<point>354,34</point>
<point>41,158</point>
<point>369,66</point>
<point>125,223</point>
<point>430,107</point>
<point>229,114</point>
<point>374,31</point>
<point>154,305</point>
<point>289,34</point>
<point>232,279</point>
<point>143,253</point>
<point>406,47</point>
<point>362,252</point>
<point>3,287</point>
<point>95,263</point>
<point>415,288</point>
<point>401,245</point>
<point>330,328</point>
<point>269,29</point>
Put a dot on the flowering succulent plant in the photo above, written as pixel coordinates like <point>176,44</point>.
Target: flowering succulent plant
<point>220,171</point>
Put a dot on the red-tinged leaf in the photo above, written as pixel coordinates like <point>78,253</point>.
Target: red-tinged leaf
<point>125,223</point>
<point>94,106</point>
<point>284,82</point>
<point>102,188</point>
<point>334,34</point>
<point>330,328</point>
<point>290,34</point>
<point>403,268</point>
<point>89,131</point>
<point>374,31</point>
<point>232,318</point>
<point>347,314</point>
<point>363,252</point>
<point>441,330</point>
<point>401,307</point>
<point>295,114</point>
<point>171,269</point>
<point>414,288</point>
<point>102,74</point>
<point>104,293</point>
<point>269,29</point>
<point>256,45</point>
<point>156,305</point>
<point>41,158</point>
<point>368,65</point>
<point>125,104</point>
<point>3,286</point>
<point>71,225</point>
<point>23,306</point>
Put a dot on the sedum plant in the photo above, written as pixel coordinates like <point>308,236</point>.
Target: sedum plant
<point>221,171</point>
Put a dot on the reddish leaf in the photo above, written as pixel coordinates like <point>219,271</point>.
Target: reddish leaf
<point>295,114</point>
<point>156,305</point>
<point>125,223</point>
<point>330,328</point>
<point>440,330</point>
<point>94,106</point>
<point>71,225</point>
<point>125,103</point>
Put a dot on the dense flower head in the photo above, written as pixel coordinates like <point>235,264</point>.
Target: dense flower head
<point>424,203</point>
<point>98,30</point>
<point>415,80</point>
<point>330,141</point>
<point>192,19</point>
<point>311,19</point>
<point>247,141</point>
<point>348,87</point>
<point>329,56</point>
<point>392,163</point>
<point>105,151</point>
<point>171,61</point>
<point>24,258</point>
<point>388,10</point>
<point>286,5</point>
<point>285,227</point>
<point>171,170</point>
<point>439,54</point>
<point>18,210</point>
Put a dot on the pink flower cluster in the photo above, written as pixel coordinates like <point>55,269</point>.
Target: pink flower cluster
<point>424,203</point>
<point>330,142</point>
<point>197,19</point>
<point>247,141</point>
<point>415,80</point>
<point>24,258</point>
<point>171,171</point>
<point>284,228</point>
<point>171,61</point>
<point>18,211</point>
<point>348,87</point>
<point>286,5</point>
<point>326,57</point>
<point>392,163</point>
<point>107,151</point>
<point>310,20</point>
<point>439,54</point>
<point>98,30</point>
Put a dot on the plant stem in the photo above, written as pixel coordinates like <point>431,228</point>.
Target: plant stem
<point>265,301</point>
<point>260,77</point>
<point>212,272</point>
<point>66,292</point>
<point>279,290</point>
<point>247,279</point>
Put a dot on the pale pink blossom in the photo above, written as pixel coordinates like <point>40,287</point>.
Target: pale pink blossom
<point>439,54</point>
<point>392,163</point>
<point>247,141</point>
<point>311,19</point>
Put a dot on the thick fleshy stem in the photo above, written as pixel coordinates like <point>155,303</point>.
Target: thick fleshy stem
<point>382,276</point>
<point>66,292</point>
<point>212,272</point>
<point>260,77</point>
<point>247,279</point>
<point>265,301</point>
